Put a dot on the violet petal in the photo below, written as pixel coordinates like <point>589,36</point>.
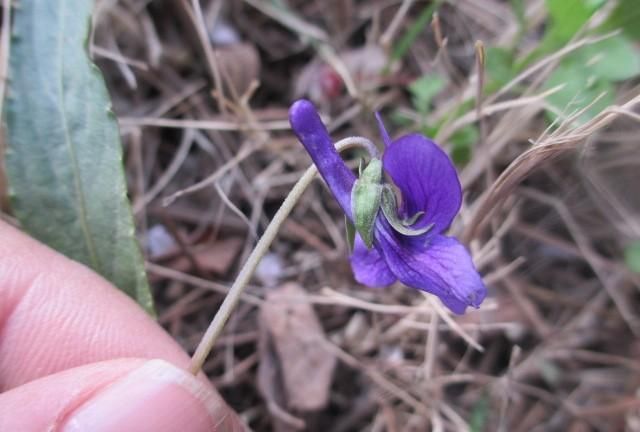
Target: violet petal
<point>369,268</point>
<point>426,178</point>
<point>313,134</point>
<point>442,267</point>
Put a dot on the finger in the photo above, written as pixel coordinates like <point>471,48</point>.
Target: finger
<point>56,314</point>
<point>118,395</point>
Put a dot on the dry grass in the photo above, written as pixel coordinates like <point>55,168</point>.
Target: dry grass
<point>547,214</point>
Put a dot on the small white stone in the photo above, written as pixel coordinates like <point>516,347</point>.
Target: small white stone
<point>159,241</point>
<point>269,269</point>
<point>222,33</point>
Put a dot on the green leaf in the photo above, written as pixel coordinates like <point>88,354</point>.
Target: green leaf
<point>424,89</point>
<point>519,11</point>
<point>399,118</point>
<point>499,65</point>
<point>614,59</point>
<point>463,141</point>
<point>365,200</point>
<point>595,4</point>
<point>632,256</point>
<point>64,158</point>
<point>625,16</point>
<point>581,88</point>
<point>589,72</point>
<point>479,414</point>
<point>567,17</point>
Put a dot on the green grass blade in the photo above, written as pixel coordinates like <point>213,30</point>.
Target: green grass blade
<point>413,32</point>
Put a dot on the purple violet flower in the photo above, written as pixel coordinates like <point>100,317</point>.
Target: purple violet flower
<point>430,195</point>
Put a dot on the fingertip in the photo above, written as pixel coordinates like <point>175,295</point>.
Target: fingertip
<point>157,396</point>
<point>126,394</point>
<point>57,314</point>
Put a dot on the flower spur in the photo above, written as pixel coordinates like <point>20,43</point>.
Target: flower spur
<point>418,255</point>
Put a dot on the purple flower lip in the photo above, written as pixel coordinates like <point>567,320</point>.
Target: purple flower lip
<point>428,183</point>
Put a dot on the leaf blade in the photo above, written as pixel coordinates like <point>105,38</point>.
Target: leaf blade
<point>64,158</point>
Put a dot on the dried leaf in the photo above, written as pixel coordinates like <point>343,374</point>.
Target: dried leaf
<point>271,387</point>
<point>239,66</point>
<point>219,256</point>
<point>306,366</point>
<point>216,257</point>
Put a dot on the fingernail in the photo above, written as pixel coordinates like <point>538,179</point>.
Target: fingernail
<point>155,397</point>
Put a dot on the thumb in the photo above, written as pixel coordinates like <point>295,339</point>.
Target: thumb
<point>117,395</point>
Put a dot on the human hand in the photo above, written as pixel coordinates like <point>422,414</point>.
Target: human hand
<point>78,355</point>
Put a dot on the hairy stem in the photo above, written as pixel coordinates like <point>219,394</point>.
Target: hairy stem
<point>249,267</point>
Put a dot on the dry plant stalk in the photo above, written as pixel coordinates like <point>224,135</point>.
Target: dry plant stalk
<point>543,151</point>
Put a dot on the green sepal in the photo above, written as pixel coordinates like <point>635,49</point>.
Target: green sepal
<point>365,200</point>
<point>372,174</point>
<point>411,220</point>
<point>350,229</point>
<point>390,210</point>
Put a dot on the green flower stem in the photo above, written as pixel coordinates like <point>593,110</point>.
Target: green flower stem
<point>233,296</point>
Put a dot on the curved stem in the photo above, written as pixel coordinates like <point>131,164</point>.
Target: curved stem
<point>233,296</point>
<point>358,141</point>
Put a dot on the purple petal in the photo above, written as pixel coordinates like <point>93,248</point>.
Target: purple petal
<point>369,268</point>
<point>383,131</point>
<point>427,179</point>
<point>310,130</point>
<point>442,267</point>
